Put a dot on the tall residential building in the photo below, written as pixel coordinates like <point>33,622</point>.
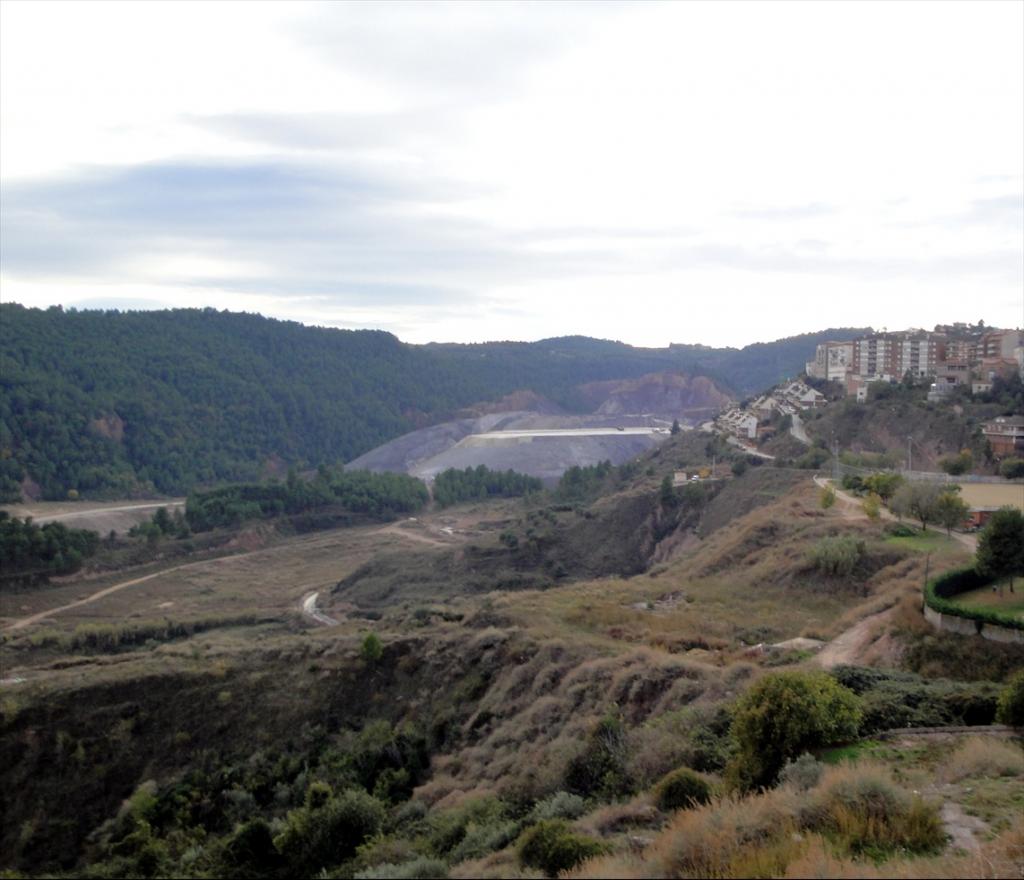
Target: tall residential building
<point>875,356</point>
<point>999,344</point>
<point>919,354</point>
<point>832,361</point>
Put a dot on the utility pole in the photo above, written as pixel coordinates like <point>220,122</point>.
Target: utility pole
<point>924,589</point>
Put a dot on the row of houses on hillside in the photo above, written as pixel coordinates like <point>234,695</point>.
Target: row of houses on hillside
<point>750,421</point>
<point>952,355</point>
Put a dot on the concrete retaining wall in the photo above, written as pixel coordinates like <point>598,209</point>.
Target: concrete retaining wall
<point>965,626</point>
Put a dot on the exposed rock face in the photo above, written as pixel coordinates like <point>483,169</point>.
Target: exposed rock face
<point>657,393</point>
<point>523,400</point>
<point>109,426</point>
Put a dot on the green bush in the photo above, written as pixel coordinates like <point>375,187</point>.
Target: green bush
<point>601,768</point>
<point>837,556</point>
<point>422,868</point>
<point>938,592</point>
<point>784,715</point>
<point>371,650</point>
<point>315,837</point>
<point>680,790</point>
<point>864,814</point>
<point>552,847</point>
<point>560,805</point>
<point>803,773</point>
<point>1011,701</point>
<point>1012,468</point>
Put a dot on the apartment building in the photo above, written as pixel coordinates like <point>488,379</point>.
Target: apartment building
<point>919,355</point>
<point>875,356</point>
<point>1005,435</point>
<point>1000,344</point>
<point>832,361</point>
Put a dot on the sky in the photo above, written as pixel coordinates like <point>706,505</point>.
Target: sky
<point>718,173</point>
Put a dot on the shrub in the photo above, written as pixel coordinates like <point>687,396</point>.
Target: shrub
<point>1012,468</point>
<point>938,592</point>
<point>560,805</point>
<point>784,715</point>
<point>1011,701</point>
<point>957,464</point>
<point>552,847</point>
<point>900,530</point>
<point>865,814</point>
<point>872,506</point>
<point>983,756</point>
<point>422,868</point>
<point>601,768</point>
<point>680,790</point>
<point>837,556</point>
<point>828,497</point>
<point>803,773</point>
<point>315,837</point>
<point>371,649</point>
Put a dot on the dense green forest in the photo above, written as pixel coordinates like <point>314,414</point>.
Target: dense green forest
<point>377,495</point>
<point>30,553</point>
<point>452,486</point>
<point>115,403</point>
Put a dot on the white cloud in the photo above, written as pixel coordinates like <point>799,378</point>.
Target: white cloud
<point>472,171</point>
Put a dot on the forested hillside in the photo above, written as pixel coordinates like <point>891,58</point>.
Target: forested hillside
<point>111,403</point>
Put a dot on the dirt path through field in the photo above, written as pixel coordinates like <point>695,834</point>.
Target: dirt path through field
<point>396,529</point>
<point>388,530</point>
<point>850,645</point>
<point>853,509</point>
<point>106,591</point>
<point>310,610</point>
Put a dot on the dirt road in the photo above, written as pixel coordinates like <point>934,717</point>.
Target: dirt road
<point>850,645</point>
<point>106,591</point>
<point>853,509</point>
<point>310,610</point>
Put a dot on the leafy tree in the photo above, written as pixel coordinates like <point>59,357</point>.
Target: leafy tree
<point>951,510</point>
<point>872,506</point>
<point>883,484</point>
<point>553,847</point>
<point>1011,701</point>
<point>919,500</point>
<point>452,486</point>
<point>784,715</point>
<point>1001,546</point>
<point>31,553</point>
<point>667,492</point>
<point>327,830</point>
<point>371,649</point>
<point>600,770</point>
<point>675,427</point>
<point>957,464</point>
<point>1012,468</point>
<point>680,790</point>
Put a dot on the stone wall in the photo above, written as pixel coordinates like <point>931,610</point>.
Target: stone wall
<point>966,626</point>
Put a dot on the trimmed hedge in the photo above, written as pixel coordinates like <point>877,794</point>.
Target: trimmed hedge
<point>938,592</point>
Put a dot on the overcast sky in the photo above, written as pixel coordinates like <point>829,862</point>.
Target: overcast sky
<point>719,173</point>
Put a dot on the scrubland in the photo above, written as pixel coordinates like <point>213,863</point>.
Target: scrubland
<point>517,731</point>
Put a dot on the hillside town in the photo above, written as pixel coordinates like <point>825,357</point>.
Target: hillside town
<point>954,357</point>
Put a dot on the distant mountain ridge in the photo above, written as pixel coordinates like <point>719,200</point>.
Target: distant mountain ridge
<point>120,403</point>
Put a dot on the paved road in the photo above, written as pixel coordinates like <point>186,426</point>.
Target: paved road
<point>797,430</point>
<point>564,432</point>
<point>734,441</point>
<point>171,504</point>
